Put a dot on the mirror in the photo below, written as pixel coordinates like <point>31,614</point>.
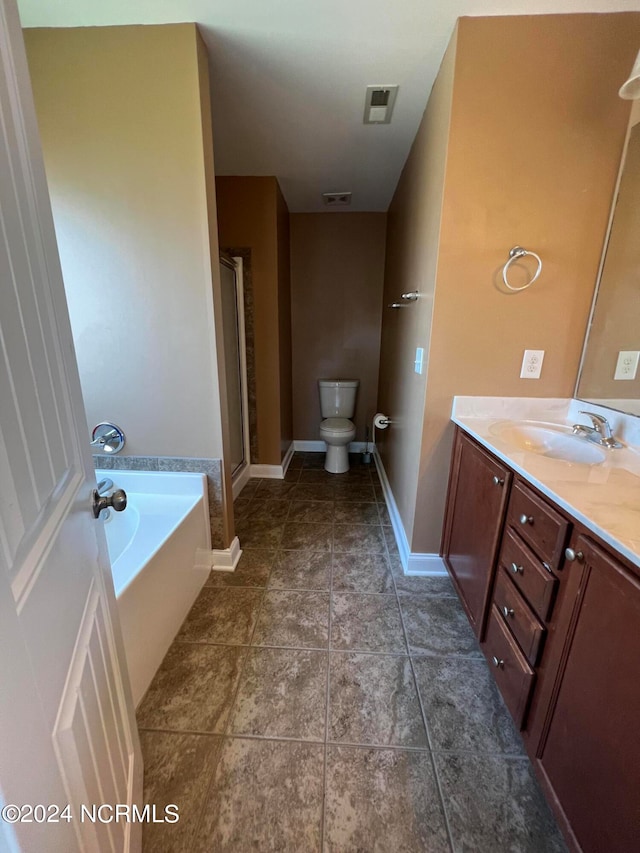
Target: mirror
<point>612,346</point>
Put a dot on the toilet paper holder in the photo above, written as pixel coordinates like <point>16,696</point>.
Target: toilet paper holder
<point>381,421</point>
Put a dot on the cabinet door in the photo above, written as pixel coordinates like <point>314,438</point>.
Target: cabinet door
<point>476,507</point>
<point>589,754</point>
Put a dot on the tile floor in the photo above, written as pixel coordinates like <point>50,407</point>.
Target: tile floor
<point>318,700</point>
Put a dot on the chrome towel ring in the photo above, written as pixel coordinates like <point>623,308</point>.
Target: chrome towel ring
<point>514,254</point>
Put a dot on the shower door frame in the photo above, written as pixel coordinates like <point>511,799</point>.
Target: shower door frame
<point>240,476</point>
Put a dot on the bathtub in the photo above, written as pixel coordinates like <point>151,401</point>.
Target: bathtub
<point>159,561</point>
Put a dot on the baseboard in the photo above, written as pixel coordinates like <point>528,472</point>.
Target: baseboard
<point>241,480</point>
<point>274,472</point>
<point>226,559</point>
<point>321,447</point>
<point>414,564</point>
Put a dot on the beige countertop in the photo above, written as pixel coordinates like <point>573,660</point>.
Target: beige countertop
<point>605,497</point>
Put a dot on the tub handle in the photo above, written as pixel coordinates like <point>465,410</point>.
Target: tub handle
<point>117,501</point>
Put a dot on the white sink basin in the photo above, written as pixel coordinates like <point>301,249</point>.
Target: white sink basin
<point>550,440</point>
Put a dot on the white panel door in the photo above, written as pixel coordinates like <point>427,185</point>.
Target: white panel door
<point>67,727</point>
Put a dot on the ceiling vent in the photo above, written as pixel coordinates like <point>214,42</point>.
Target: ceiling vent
<point>378,104</point>
<point>336,199</point>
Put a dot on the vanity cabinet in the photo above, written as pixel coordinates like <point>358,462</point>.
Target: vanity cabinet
<point>478,494</point>
<point>562,638</point>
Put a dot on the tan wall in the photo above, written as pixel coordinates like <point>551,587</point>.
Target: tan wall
<point>413,230</point>
<point>337,265</point>
<point>284,325</point>
<point>123,148</point>
<point>248,218</point>
<point>616,320</point>
<point>534,145</point>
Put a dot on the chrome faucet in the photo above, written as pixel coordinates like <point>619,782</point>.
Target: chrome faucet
<point>104,486</point>
<point>600,432</point>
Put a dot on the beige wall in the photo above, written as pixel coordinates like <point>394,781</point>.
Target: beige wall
<point>248,219</point>
<point>123,148</point>
<point>413,231</point>
<point>337,266</point>
<point>534,144</point>
<point>616,320</point>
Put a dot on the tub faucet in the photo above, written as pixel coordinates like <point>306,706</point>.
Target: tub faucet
<point>104,486</point>
<point>600,432</point>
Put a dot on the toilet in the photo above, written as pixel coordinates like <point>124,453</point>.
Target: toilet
<point>337,405</point>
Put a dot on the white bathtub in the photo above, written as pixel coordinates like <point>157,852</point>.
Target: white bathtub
<point>159,562</point>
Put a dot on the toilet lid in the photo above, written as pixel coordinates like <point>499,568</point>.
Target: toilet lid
<point>337,425</point>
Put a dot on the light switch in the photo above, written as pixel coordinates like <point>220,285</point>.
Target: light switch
<point>419,360</point>
<point>627,364</point>
<point>532,364</point>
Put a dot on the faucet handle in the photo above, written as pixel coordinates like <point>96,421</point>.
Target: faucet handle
<point>600,423</point>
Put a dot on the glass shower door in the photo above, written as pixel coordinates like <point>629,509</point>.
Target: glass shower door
<point>233,362</point>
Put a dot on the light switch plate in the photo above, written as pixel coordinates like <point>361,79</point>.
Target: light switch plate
<point>419,360</point>
<point>627,364</point>
<point>532,364</point>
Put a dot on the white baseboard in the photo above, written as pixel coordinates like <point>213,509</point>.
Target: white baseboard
<point>226,559</point>
<point>414,564</point>
<point>288,456</point>
<point>321,447</point>
<point>274,472</point>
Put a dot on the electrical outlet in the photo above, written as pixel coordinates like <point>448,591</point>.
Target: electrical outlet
<point>627,364</point>
<point>532,364</point>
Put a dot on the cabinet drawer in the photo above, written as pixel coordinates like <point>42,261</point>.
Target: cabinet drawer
<point>513,674</point>
<point>525,627</point>
<point>537,585</point>
<point>544,529</point>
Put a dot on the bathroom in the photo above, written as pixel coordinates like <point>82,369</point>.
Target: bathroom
<point>317,290</point>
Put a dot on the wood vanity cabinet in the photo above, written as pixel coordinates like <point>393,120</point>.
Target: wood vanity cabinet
<point>478,491</point>
<point>563,640</point>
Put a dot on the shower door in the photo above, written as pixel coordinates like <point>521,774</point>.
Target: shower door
<point>234,352</point>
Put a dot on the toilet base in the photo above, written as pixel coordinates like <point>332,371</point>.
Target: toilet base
<point>337,459</point>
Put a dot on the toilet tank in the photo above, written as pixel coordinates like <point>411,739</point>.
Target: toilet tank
<point>338,397</point>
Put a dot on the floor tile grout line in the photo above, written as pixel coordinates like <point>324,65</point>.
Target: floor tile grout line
<point>434,768</point>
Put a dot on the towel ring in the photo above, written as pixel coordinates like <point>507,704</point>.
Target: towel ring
<point>514,254</point>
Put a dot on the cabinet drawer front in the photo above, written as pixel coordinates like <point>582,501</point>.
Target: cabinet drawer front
<point>525,627</point>
<point>535,583</point>
<point>513,674</point>
<point>544,529</point>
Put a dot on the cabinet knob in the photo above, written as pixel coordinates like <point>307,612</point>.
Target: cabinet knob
<point>498,662</point>
<point>498,481</point>
<point>526,519</point>
<point>516,569</point>
<point>508,611</point>
<point>572,555</point>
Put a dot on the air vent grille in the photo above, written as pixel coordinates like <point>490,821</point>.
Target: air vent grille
<point>378,104</point>
<point>336,199</point>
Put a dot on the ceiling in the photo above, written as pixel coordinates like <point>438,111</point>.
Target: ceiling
<point>289,76</point>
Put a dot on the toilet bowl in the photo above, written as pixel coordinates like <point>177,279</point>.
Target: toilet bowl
<point>337,405</point>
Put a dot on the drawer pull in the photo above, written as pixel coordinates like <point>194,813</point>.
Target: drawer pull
<point>498,662</point>
<point>508,611</point>
<point>516,569</point>
<point>498,481</point>
<point>572,555</point>
<point>526,519</point>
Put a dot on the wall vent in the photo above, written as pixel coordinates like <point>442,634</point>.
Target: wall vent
<point>336,199</point>
<point>378,104</point>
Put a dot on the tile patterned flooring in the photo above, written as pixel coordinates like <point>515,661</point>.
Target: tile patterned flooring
<point>318,700</point>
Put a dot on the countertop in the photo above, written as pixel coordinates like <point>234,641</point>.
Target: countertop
<point>605,497</point>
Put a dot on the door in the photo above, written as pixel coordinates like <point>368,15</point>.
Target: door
<point>67,727</point>
<point>232,317</point>
<point>476,506</point>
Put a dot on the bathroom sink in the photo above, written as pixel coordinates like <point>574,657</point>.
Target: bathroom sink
<point>550,440</point>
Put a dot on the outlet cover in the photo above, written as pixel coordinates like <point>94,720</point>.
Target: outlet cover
<point>627,364</point>
<point>532,364</point>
